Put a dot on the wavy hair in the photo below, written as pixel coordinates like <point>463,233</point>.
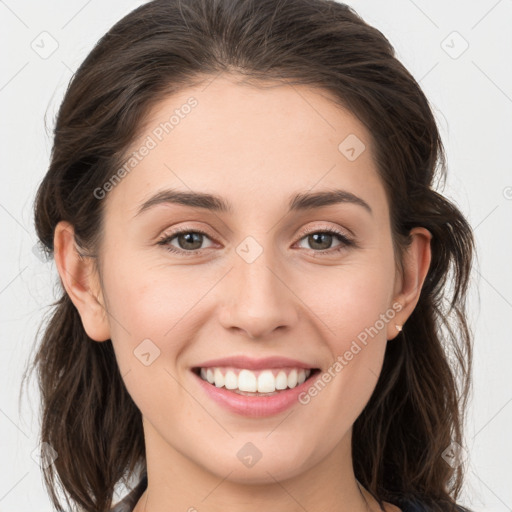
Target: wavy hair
<point>417,409</point>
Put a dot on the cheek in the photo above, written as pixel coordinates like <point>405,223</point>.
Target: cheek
<point>353,306</point>
<point>149,299</point>
<point>153,304</point>
<point>355,333</point>
<point>350,299</point>
<point>149,332</point>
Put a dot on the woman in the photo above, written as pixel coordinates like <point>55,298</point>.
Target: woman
<point>255,266</point>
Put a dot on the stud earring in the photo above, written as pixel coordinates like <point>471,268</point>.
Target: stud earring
<point>398,327</point>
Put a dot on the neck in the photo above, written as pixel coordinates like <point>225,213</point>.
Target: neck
<point>177,483</point>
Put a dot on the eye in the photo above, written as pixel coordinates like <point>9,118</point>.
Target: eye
<point>189,241</point>
<point>321,241</point>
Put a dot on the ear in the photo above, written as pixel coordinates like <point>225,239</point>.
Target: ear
<point>81,282</point>
<point>408,283</point>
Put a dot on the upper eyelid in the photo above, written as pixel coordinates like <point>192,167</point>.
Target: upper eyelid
<point>302,233</point>
<point>321,229</point>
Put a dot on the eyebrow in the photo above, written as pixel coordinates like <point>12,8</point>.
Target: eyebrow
<point>298,202</point>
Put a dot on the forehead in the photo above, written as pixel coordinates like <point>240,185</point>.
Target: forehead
<point>248,143</point>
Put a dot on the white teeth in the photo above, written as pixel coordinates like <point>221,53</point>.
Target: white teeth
<point>266,382</point>
<point>248,381</point>
<point>219,378</point>
<point>281,380</point>
<point>231,380</point>
<point>292,379</point>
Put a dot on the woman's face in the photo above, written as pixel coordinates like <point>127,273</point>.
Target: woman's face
<point>265,280</point>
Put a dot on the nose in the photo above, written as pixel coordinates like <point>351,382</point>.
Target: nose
<point>257,297</point>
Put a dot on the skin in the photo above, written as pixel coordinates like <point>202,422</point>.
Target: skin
<point>254,147</point>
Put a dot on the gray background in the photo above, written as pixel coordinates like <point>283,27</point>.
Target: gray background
<point>460,54</point>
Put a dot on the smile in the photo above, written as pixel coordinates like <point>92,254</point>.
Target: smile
<point>254,393</point>
<point>254,382</point>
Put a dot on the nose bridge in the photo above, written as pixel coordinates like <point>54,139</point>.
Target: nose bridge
<point>256,299</point>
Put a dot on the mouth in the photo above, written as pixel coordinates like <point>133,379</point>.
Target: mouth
<point>255,383</point>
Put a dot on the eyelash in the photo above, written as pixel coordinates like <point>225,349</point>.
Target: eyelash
<point>345,242</point>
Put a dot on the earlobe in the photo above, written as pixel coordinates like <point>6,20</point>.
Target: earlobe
<point>80,280</point>
<point>416,263</point>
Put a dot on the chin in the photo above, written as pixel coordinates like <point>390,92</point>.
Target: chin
<point>264,471</point>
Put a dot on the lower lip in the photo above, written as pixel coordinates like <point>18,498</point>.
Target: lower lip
<point>255,406</point>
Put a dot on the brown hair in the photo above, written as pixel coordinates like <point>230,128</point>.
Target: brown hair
<point>418,406</point>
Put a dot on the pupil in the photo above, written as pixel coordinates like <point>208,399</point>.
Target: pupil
<point>315,238</point>
<point>189,239</point>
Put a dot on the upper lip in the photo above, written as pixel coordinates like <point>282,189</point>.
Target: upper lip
<point>250,363</point>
